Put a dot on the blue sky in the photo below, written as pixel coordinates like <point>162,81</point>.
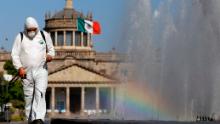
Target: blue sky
<point>109,13</point>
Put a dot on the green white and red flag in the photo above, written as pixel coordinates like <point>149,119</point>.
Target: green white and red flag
<point>88,26</point>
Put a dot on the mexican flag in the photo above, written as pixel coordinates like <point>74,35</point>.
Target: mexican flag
<point>88,26</point>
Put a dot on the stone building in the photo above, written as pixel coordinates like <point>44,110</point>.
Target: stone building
<point>81,81</point>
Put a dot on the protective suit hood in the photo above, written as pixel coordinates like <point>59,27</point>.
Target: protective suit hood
<point>31,23</point>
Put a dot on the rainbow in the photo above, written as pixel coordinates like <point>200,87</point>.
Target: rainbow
<point>142,100</point>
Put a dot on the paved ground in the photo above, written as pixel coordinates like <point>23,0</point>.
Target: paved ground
<point>105,121</point>
<point>47,122</point>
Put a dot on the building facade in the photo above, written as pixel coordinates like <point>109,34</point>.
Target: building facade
<point>81,81</point>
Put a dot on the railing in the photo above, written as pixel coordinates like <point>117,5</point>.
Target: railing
<point>80,55</point>
<point>111,57</point>
<point>75,54</point>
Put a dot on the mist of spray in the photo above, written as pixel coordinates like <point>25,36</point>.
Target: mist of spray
<point>175,49</point>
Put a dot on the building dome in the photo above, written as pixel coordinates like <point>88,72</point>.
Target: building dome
<point>62,27</point>
<point>66,13</point>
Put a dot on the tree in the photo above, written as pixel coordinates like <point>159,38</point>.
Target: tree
<point>14,91</point>
<point>2,93</point>
<point>8,66</point>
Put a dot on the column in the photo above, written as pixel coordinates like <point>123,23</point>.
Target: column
<point>88,39</point>
<point>73,40</point>
<point>97,99</point>
<point>82,100</point>
<point>67,100</point>
<point>52,100</point>
<point>64,38</point>
<point>81,39</point>
<point>55,38</point>
<point>112,99</point>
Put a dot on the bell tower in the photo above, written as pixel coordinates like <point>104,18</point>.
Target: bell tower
<point>69,4</point>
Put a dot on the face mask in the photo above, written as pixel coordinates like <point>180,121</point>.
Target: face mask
<point>31,34</point>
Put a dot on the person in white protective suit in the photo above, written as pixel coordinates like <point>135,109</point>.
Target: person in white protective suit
<point>30,54</point>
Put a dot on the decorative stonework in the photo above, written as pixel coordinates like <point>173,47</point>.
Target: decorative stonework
<point>77,54</point>
<point>75,73</point>
<point>60,24</point>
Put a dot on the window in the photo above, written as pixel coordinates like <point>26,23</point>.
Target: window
<point>85,39</point>
<point>69,38</point>
<point>52,34</point>
<point>105,99</point>
<point>60,38</point>
<point>78,38</point>
<point>60,100</point>
<point>90,96</point>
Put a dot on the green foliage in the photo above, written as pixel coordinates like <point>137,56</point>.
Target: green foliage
<point>11,92</point>
<point>16,91</point>
<point>4,95</point>
<point>16,114</point>
<point>17,118</point>
<point>8,66</point>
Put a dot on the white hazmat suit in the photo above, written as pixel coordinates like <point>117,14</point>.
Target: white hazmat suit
<point>30,53</point>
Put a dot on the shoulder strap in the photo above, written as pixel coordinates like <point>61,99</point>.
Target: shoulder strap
<point>42,34</point>
<point>21,34</point>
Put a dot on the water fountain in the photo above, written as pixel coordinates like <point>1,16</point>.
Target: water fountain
<point>175,50</point>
